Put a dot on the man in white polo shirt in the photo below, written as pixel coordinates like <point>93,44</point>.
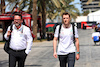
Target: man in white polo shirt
<point>66,48</point>
<point>20,42</point>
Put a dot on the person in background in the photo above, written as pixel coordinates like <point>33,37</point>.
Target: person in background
<point>97,27</point>
<point>20,43</point>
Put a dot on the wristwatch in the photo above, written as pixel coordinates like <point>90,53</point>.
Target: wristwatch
<point>77,52</point>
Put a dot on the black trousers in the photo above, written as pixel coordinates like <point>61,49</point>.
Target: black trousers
<point>64,59</point>
<point>17,56</point>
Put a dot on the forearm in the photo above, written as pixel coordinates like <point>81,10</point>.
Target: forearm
<point>28,49</point>
<point>29,45</point>
<point>54,45</point>
<point>77,45</point>
<point>6,36</point>
<point>29,41</point>
<point>92,37</point>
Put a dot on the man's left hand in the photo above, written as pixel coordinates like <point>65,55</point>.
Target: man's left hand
<point>77,56</point>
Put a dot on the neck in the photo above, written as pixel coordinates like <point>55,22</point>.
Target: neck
<point>18,26</point>
<point>67,25</point>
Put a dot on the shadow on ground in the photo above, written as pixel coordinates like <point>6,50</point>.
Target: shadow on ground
<point>4,63</point>
<point>33,65</point>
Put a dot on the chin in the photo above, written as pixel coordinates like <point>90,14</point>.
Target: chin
<point>65,23</point>
<point>16,24</point>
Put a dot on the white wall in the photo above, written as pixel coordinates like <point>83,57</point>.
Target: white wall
<point>93,18</point>
<point>81,18</point>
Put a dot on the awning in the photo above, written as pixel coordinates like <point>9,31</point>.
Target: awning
<point>9,16</point>
<point>5,18</point>
<point>49,25</point>
<point>26,17</point>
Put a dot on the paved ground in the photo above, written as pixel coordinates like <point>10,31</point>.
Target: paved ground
<point>42,53</point>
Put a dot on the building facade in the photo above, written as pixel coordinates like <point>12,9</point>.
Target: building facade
<point>90,5</point>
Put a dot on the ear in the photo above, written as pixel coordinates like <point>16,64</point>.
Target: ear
<point>22,21</point>
<point>70,19</point>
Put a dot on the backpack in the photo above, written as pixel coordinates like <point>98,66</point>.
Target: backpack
<point>54,28</point>
<point>7,43</point>
<point>96,38</point>
<point>73,25</point>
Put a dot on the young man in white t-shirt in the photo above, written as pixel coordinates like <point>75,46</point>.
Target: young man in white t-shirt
<point>66,48</point>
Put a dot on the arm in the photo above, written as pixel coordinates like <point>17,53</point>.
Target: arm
<point>8,33</point>
<point>29,41</point>
<point>54,46</point>
<point>95,28</point>
<point>55,41</point>
<point>77,47</point>
<point>92,37</point>
<point>77,44</point>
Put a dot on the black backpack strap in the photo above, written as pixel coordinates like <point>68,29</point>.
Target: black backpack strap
<point>59,32</point>
<point>11,31</point>
<point>73,27</point>
<point>11,27</point>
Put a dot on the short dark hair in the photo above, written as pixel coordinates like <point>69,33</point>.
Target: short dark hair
<point>66,13</point>
<point>18,15</point>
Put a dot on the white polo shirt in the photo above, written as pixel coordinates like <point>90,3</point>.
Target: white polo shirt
<point>20,38</point>
<point>66,44</point>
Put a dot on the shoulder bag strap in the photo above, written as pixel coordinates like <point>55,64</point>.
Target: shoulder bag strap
<point>11,31</point>
<point>59,32</point>
<point>73,32</point>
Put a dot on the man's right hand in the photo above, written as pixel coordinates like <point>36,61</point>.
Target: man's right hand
<point>55,55</point>
<point>8,33</point>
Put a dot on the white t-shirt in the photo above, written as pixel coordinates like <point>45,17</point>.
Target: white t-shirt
<point>95,34</point>
<point>66,44</point>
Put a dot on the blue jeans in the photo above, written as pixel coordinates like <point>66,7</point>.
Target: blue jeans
<point>64,59</point>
